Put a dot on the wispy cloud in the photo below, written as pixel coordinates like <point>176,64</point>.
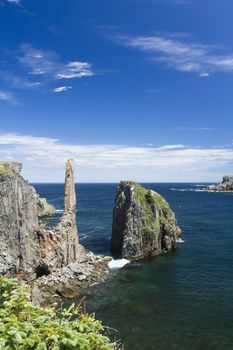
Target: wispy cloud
<point>114,162</point>
<point>47,63</point>
<point>191,128</point>
<point>6,96</point>
<point>36,69</point>
<point>170,2</point>
<point>182,54</point>
<point>61,89</point>
<point>15,2</point>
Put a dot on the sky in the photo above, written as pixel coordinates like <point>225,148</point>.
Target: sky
<point>130,89</point>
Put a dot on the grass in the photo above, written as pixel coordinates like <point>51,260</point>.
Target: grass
<point>3,169</point>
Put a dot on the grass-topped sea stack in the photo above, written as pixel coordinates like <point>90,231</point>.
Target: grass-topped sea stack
<point>143,223</point>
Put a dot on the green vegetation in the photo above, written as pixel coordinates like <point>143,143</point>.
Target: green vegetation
<point>3,169</point>
<point>155,208</point>
<point>25,326</point>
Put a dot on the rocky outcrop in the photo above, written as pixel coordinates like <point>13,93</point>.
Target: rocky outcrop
<point>143,223</point>
<point>225,185</point>
<point>50,256</point>
<point>44,209</point>
<point>74,279</point>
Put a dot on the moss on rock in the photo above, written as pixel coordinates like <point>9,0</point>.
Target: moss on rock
<point>143,222</point>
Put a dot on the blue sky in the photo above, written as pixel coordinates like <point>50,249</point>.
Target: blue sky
<point>131,89</point>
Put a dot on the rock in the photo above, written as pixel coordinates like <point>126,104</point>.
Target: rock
<point>50,258</point>
<point>225,185</point>
<point>10,167</point>
<point>44,208</point>
<point>143,223</point>
<point>73,280</point>
<point>18,221</point>
<point>59,246</point>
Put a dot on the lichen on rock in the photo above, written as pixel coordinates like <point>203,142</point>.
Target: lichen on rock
<point>143,223</point>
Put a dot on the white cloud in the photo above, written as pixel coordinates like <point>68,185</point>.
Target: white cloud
<point>48,64</point>
<point>37,69</point>
<point>44,160</point>
<point>191,128</point>
<point>7,97</point>
<point>16,2</point>
<point>180,54</point>
<point>75,70</point>
<point>62,89</point>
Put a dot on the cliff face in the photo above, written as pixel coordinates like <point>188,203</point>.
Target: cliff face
<point>143,223</point>
<point>18,220</point>
<point>225,185</point>
<point>28,246</point>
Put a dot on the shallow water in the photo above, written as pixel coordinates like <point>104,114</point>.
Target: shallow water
<point>179,301</point>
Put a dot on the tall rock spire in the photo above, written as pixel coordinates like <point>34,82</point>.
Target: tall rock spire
<point>70,213</point>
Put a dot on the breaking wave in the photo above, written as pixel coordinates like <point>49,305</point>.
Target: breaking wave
<point>118,264</point>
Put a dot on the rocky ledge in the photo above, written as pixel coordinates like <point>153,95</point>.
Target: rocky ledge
<point>49,257</point>
<point>143,223</point>
<point>225,185</point>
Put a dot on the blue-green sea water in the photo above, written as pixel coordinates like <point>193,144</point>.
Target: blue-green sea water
<point>181,301</point>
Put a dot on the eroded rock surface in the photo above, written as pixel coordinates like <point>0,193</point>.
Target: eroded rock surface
<point>18,221</point>
<point>143,223</point>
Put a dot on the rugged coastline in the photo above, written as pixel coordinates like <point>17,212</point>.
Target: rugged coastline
<point>52,259</point>
<point>44,256</point>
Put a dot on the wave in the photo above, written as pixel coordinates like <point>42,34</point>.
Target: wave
<point>184,189</point>
<point>118,264</point>
<point>179,240</point>
<point>62,210</point>
<point>190,189</point>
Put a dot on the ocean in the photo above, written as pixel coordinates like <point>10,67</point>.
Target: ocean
<point>181,301</point>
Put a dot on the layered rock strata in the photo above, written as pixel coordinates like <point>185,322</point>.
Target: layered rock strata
<point>143,223</point>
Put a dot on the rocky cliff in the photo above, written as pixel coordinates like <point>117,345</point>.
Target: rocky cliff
<point>225,185</point>
<point>50,255</point>
<point>18,221</point>
<point>143,223</point>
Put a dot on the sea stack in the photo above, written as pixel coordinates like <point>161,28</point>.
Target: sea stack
<point>143,223</point>
<point>59,246</point>
<point>68,225</point>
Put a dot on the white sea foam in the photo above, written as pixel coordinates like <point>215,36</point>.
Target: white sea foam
<point>118,264</point>
<point>179,240</point>
<point>183,189</point>
<point>59,210</point>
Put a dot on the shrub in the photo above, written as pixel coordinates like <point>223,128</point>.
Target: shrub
<point>25,326</point>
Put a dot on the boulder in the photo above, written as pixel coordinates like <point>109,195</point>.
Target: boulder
<point>143,223</point>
